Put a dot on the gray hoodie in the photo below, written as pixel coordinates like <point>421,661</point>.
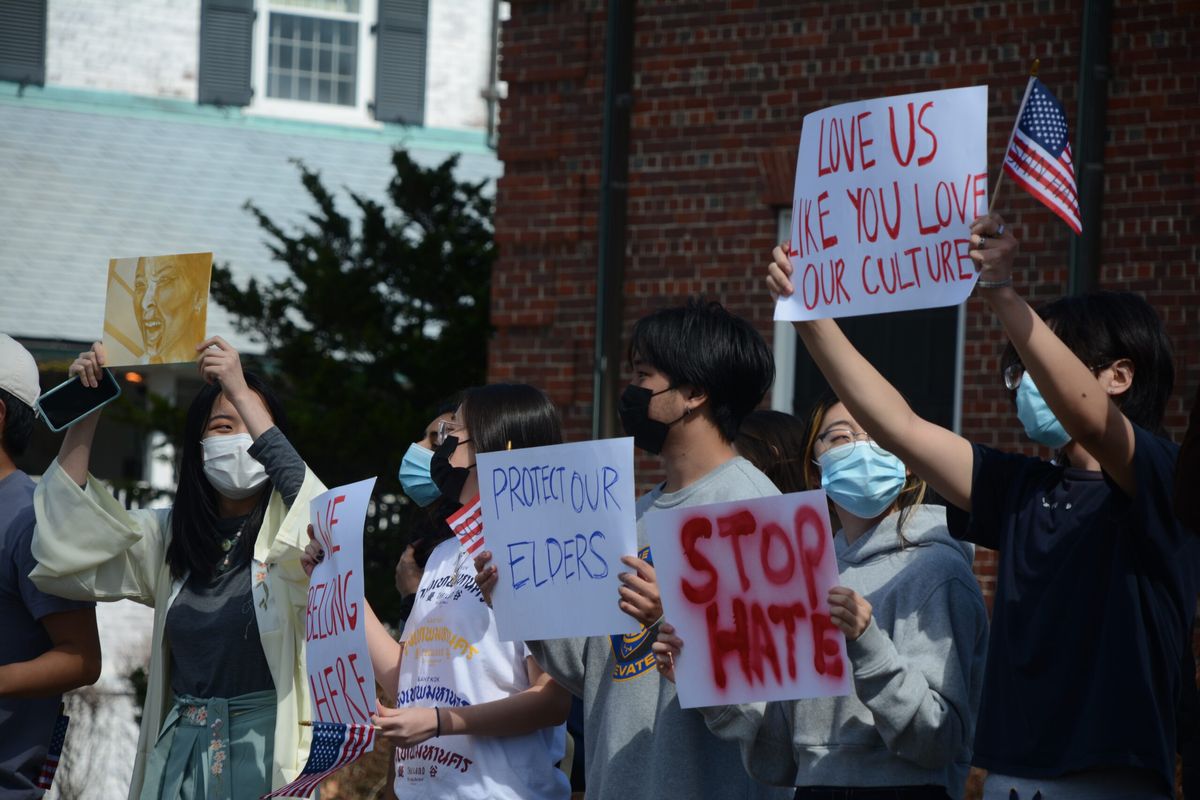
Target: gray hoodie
<point>918,673</point>
<point>639,744</point>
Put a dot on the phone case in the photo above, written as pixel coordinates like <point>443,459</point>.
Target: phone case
<point>108,377</point>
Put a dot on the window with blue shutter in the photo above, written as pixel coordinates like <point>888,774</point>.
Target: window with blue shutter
<point>23,41</point>
<point>400,61</point>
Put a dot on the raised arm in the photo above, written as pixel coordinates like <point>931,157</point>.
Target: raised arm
<point>75,453</point>
<point>943,458</point>
<point>1068,385</point>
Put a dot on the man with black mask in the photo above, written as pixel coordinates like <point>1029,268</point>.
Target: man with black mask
<point>698,370</point>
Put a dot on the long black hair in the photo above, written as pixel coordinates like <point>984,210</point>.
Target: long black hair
<point>516,415</point>
<point>194,545</point>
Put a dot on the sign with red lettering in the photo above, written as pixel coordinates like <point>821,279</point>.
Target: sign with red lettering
<point>340,676</point>
<point>745,584</point>
<point>885,193</point>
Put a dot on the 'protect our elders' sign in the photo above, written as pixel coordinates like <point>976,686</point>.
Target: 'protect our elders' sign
<point>885,193</point>
<point>340,675</point>
<point>745,584</point>
<point>557,520</point>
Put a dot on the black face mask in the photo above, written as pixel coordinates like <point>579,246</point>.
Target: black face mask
<point>634,410</point>
<point>449,479</point>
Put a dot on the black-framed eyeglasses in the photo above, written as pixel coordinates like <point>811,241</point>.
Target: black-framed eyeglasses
<point>1013,373</point>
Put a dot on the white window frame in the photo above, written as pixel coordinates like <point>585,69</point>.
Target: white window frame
<point>783,392</point>
<point>357,115</point>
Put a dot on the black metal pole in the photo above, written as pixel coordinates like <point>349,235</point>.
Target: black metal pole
<point>1090,133</point>
<point>614,190</point>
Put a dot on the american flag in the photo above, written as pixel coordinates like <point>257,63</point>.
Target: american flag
<point>1039,154</point>
<point>467,524</point>
<point>54,754</point>
<point>334,745</point>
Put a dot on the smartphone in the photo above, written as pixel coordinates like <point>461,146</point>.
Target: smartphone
<point>71,401</point>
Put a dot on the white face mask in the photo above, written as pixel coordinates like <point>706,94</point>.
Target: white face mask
<point>229,466</point>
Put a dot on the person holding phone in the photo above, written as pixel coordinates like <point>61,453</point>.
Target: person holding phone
<point>50,644</point>
<point>221,569</point>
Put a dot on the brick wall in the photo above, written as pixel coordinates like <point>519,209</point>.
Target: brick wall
<point>722,87</point>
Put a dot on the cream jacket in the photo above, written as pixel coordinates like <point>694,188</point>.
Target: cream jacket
<point>89,547</point>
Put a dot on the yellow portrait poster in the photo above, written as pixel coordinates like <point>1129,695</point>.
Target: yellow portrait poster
<point>156,308</point>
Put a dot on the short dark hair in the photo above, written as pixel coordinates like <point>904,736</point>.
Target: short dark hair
<point>774,442</point>
<point>18,424</point>
<point>501,415</point>
<point>704,345</point>
<point>194,547</point>
<point>1102,327</point>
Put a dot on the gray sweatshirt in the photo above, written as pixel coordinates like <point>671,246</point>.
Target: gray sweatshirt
<point>918,673</point>
<point>638,742</point>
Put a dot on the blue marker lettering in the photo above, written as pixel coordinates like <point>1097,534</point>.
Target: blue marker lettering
<point>592,543</point>
<point>554,568</point>
<point>512,562</point>
<point>577,481</point>
<point>610,480</point>
<point>498,472</point>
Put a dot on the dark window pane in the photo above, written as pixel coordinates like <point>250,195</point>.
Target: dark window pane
<point>346,93</point>
<point>324,90</point>
<point>305,90</point>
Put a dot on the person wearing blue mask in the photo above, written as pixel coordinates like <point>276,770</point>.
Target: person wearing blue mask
<point>916,635</point>
<point>1096,584</point>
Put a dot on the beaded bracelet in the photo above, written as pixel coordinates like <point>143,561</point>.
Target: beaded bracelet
<point>982,284</point>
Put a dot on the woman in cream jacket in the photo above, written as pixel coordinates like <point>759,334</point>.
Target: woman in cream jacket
<point>221,569</point>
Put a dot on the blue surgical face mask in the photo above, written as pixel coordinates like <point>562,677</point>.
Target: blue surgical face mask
<point>865,481</point>
<point>1040,423</point>
<point>414,475</point>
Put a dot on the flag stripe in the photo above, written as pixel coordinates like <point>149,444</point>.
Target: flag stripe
<point>351,742</point>
<point>1040,184</point>
<point>1048,193</point>
<point>1066,216</point>
<point>1036,155</point>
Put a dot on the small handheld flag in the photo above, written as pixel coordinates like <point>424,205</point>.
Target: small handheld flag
<point>54,754</point>
<point>1039,154</point>
<point>334,745</point>
<point>467,524</point>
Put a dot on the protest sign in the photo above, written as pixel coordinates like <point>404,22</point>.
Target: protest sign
<point>156,308</point>
<point>557,521</point>
<point>745,585</point>
<point>885,193</point>
<point>339,665</point>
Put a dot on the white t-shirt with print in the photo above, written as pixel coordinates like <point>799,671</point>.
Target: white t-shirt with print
<point>453,657</point>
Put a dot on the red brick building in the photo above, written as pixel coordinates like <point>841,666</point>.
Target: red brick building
<point>719,92</point>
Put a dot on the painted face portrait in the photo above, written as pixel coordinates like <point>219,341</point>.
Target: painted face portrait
<point>156,310</point>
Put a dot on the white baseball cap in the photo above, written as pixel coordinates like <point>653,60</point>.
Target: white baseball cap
<point>18,371</point>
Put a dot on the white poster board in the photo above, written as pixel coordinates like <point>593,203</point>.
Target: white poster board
<point>885,194</point>
<point>745,584</point>
<point>557,520</point>
<point>340,675</point>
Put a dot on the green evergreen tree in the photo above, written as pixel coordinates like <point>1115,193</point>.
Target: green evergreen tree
<point>383,314</point>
